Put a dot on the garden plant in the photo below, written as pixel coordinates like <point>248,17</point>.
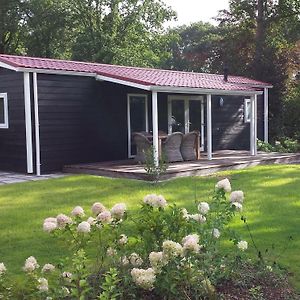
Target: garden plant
<point>159,252</point>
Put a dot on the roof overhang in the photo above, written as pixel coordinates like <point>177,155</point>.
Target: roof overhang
<point>161,89</point>
<point>178,90</point>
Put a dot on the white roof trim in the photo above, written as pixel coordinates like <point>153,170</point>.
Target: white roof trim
<point>56,72</point>
<point>123,82</point>
<point>6,66</point>
<point>183,90</point>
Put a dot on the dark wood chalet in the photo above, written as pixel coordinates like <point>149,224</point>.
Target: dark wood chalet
<point>55,113</point>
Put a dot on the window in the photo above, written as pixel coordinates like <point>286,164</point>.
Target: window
<point>3,111</point>
<point>247,111</point>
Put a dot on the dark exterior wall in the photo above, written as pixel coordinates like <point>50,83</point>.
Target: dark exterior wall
<point>112,115</point>
<point>13,139</point>
<point>67,109</point>
<point>81,120</point>
<point>229,128</point>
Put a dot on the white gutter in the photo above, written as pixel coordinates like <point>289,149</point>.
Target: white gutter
<point>123,82</point>
<point>56,72</point>
<point>37,125</point>
<point>183,90</point>
<point>28,124</point>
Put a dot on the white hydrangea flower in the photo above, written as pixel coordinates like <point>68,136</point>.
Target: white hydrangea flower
<point>237,196</point>
<point>190,243</point>
<point>242,245</point>
<point>150,199</point>
<point>49,227</point>
<point>48,268</point>
<point>224,185</point>
<point>157,260</point>
<point>155,200</point>
<point>2,269</point>
<point>43,285</point>
<point>30,264</point>
<point>98,208</point>
<point>111,251</point>
<point>50,220</point>
<point>203,208</point>
<point>198,217</point>
<point>67,276</point>
<point>238,206</point>
<point>135,259</point>
<point>105,217</point>
<point>91,220</point>
<point>123,239</point>
<point>118,210</point>
<point>161,201</point>
<point>63,220</point>
<point>77,211</point>
<point>216,233</point>
<point>84,227</point>
<point>144,278</point>
<point>124,260</point>
<point>172,249</point>
<point>185,213</point>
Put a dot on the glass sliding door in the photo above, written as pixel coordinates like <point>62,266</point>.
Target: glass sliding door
<point>185,114</point>
<point>137,118</point>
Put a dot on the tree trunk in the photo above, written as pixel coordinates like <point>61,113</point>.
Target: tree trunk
<point>260,36</point>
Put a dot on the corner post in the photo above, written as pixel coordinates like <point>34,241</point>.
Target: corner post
<point>37,125</point>
<point>253,126</point>
<point>155,128</point>
<point>28,123</point>
<point>266,115</point>
<point>209,127</point>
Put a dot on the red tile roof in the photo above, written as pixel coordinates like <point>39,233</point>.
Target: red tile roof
<point>144,76</point>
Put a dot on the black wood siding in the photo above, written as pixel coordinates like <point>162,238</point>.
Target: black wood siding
<point>67,109</point>
<point>81,120</point>
<point>229,129</point>
<point>13,139</point>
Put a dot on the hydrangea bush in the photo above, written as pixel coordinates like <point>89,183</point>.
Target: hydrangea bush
<point>160,252</point>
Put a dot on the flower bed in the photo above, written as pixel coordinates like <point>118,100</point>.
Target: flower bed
<point>160,252</point>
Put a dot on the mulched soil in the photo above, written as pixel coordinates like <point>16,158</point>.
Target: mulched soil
<point>251,284</point>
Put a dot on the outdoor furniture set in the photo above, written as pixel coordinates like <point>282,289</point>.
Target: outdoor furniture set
<point>174,147</point>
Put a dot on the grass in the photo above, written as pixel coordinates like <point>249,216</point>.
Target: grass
<point>272,208</point>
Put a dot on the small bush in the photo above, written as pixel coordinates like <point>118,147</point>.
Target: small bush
<point>160,252</point>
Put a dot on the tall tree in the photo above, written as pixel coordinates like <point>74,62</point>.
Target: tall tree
<point>11,15</point>
<point>49,29</point>
<point>124,32</point>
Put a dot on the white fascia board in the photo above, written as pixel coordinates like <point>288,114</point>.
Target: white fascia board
<point>261,86</point>
<point>7,66</point>
<point>123,82</point>
<point>203,91</point>
<point>56,72</point>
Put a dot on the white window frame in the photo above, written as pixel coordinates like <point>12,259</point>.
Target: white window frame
<point>247,110</point>
<point>5,109</point>
<point>130,155</point>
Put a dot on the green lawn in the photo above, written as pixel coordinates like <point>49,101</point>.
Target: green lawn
<point>272,206</point>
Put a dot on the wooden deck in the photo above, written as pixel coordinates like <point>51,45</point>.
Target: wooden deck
<point>222,160</point>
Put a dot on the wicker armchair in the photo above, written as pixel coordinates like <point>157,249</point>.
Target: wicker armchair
<point>142,146</point>
<point>171,147</point>
<point>188,146</point>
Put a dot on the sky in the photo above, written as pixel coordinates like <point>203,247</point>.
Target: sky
<point>189,11</point>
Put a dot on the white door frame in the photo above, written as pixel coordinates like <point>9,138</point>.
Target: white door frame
<point>130,155</point>
<point>186,99</point>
